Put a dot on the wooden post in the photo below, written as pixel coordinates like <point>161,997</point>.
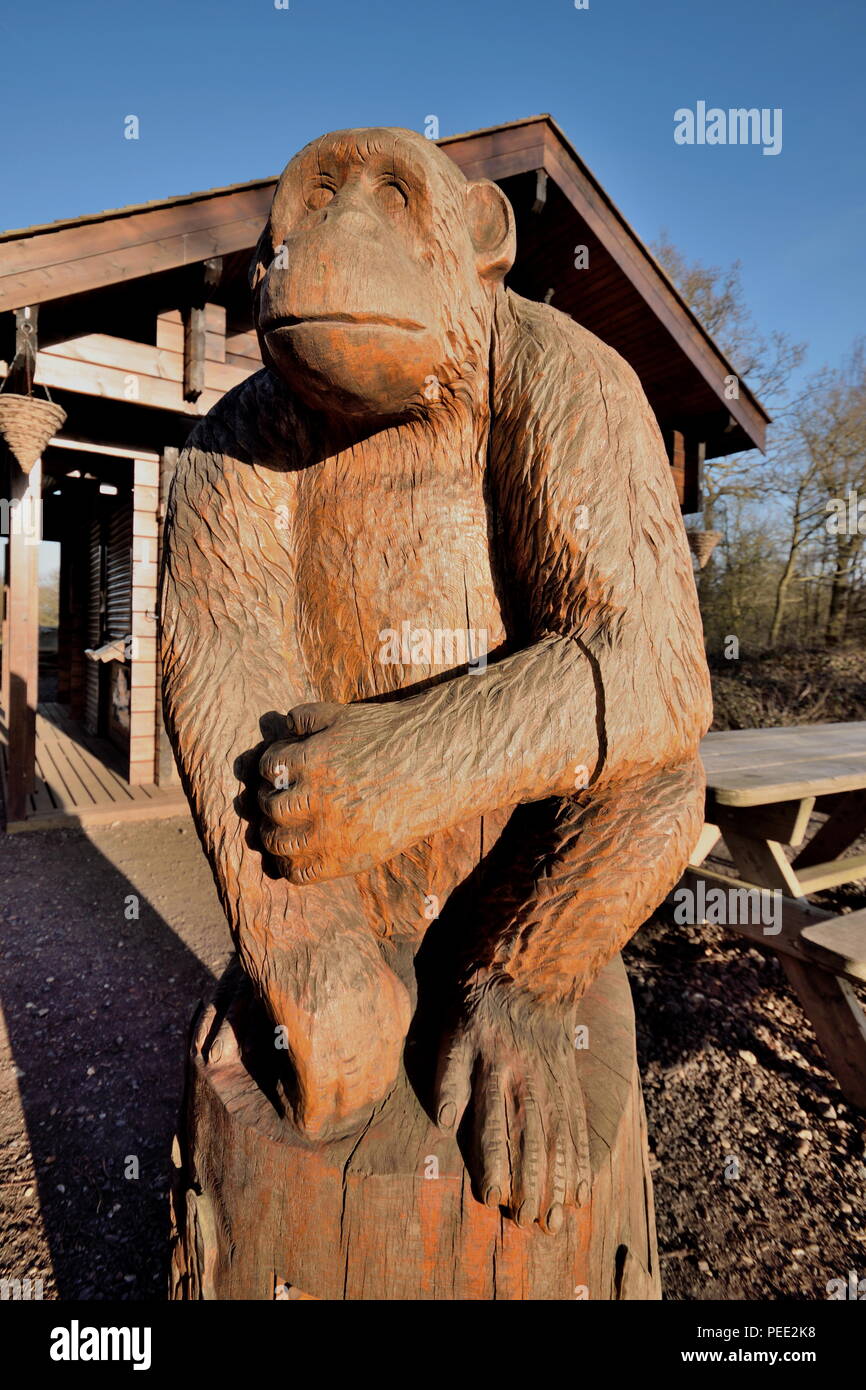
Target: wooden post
<point>676,451</point>
<point>21,656</point>
<point>80,500</point>
<point>193,353</point>
<point>695,453</point>
<point>4,653</point>
<point>837,1016</point>
<point>166,774</point>
<point>142,692</point>
<point>198,321</point>
<point>686,458</point>
<point>388,1213</point>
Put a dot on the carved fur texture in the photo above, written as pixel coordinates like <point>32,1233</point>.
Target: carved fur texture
<point>428,459</point>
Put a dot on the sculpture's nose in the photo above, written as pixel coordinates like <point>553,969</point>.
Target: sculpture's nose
<point>347,215</point>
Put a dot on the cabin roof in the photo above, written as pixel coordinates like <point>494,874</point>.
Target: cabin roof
<point>111,271</point>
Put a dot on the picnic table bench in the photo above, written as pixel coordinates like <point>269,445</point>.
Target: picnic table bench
<point>763,788</point>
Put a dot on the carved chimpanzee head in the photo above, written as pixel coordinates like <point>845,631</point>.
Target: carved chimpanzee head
<point>377,272</point>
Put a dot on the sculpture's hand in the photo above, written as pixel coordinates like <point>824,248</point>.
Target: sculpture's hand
<point>357,784</point>
<point>347,791</point>
<point>513,1065</point>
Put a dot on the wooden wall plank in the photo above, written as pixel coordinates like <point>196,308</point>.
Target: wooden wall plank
<point>142,360</point>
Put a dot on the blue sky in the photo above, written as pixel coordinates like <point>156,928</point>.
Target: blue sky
<point>226,92</point>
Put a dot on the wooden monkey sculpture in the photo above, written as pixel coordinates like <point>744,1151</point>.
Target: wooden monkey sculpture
<point>424,454</point>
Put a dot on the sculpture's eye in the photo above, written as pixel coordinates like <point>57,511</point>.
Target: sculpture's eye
<point>318,196</point>
<point>392,195</point>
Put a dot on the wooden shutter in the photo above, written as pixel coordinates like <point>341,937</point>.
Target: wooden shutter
<point>118,575</point>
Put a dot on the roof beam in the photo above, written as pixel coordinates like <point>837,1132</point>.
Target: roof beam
<point>540,190</point>
<point>89,446</point>
<point>75,260</point>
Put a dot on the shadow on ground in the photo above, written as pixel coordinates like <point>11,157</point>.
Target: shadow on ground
<point>97,990</point>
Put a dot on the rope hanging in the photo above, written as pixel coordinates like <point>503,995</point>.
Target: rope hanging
<point>27,424</point>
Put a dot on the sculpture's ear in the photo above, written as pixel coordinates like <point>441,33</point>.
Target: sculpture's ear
<point>490,219</point>
<point>262,257</point>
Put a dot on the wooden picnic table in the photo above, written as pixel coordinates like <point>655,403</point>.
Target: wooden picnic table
<point>763,788</point>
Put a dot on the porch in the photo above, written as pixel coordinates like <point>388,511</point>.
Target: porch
<point>83,741</point>
<point>80,779</point>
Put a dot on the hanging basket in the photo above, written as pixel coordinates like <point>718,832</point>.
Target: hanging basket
<point>27,425</point>
<point>702,544</point>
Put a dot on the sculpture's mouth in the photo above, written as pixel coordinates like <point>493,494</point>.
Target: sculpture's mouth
<point>340,320</point>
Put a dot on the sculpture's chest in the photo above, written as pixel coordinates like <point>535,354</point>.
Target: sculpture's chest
<point>394,580</point>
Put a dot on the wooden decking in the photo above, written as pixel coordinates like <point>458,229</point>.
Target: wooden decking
<point>79,781</point>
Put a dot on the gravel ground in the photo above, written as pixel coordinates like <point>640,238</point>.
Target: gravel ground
<point>759,1166</point>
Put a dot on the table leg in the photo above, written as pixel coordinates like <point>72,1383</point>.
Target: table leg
<point>832,1008</point>
<point>762,862</point>
<point>845,824</point>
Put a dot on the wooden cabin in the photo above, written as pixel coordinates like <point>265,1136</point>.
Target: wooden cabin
<point>142,320</point>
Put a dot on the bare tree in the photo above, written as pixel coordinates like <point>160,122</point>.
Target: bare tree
<point>716,296</point>
<point>807,516</point>
<point>831,423</point>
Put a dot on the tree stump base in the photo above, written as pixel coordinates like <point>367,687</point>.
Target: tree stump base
<point>259,1213</point>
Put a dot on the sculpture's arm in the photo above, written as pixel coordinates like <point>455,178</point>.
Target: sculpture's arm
<point>595,553</point>
<point>221,630</point>
<point>615,680</point>
<point>230,668</point>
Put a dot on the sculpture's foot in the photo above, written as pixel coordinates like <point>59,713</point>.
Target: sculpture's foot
<point>384,1213</point>
<point>515,1077</point>
<point>341,1029</point>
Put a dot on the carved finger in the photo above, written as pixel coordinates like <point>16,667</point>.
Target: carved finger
<point>284,807</point>
<point>490,1119</point>
<point>312,718</point>
<point>286,841</point>
<point>530,1175</point>
<point>453,1080</point>
<point>301,867</point>
<point>281,764</point>
<point>556,1185</point>
<point>316,1110</point>
<point>580,1176</point>
<point>353,1086</point>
